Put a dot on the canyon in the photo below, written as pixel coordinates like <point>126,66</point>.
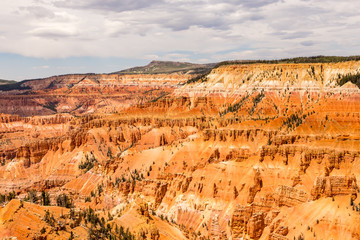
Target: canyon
<point>234,151</point>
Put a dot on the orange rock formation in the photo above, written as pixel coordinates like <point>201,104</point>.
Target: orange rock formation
<point>260,151</point>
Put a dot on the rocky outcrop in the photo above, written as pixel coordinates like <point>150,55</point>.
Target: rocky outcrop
<point>160,192</point>
<point>186,184</point>
<point>256,187</point>
<point>324,155</point>
<point>238,155</point>
<point>334,185</point>
<point>289,196</point>
<point>163,140</point>
<point>33,153</point>
<point>215,229</point>
<point>234,134</point>
<point>256,225</point>
<point>6,118</point>
<point>245,221</point>
<point>240,220</point>
<point>215,156</point>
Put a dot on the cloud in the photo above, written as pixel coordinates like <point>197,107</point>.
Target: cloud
<point>53,33</point>
<point>192,30</point>
<point>293,35</point>
<point>38,11</point>
<point>307,43</point>
<point>254,4</point>
<point>107,5</point>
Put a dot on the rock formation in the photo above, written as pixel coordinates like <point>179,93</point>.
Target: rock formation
<point>253,151</point>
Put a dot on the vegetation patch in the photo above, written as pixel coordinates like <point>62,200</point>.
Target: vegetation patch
<point>256,101</point>
<point>13,86</point>
<point>234,107</point>
<point>200,78</point>
<point>294,120</point>
<point>51,105</point>
<point>64,201</point>
<point>354,78</point>
<point>313,59</point>
<point>88,163</point>
<point>168,67</point>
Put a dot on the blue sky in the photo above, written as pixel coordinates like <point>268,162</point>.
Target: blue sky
<point>40,38</point>
<point>18,67</point>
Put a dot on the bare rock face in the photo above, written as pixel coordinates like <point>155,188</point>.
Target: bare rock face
<point>256,225</point>
<point>256,187</point>
<point>240,220</point>
<point>246,221</point>
<point>238,155</point>
<point>160,193</point>
<point>289,196</point>
<point>84,94</point>
<point>278,231</point>
<point>282,230</point>
<point>163,140</point>
<point>186,184</point>
<point>125,188</point>
<point>334,185</point>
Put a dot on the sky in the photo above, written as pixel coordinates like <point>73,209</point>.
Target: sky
<point>40,38</point>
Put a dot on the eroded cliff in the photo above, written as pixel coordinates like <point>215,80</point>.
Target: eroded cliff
<point>260,151</point>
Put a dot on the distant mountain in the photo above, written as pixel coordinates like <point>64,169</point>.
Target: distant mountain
<point>157,67</point>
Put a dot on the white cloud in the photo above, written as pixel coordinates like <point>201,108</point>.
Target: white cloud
<point>165,29</point>
<point>38,12</point>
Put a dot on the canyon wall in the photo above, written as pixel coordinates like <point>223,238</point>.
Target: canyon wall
<point>258,151</point>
